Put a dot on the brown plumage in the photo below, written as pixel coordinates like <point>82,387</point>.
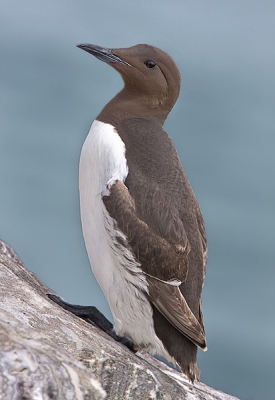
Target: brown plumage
<point>154,207</point>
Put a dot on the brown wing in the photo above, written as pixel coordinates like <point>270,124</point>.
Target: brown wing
<point>157,256</point>
<point>170,302</point>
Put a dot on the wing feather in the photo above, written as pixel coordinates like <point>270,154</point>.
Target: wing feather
<point>165,265</point>
<point>157,256</point>
<point>172,305</point>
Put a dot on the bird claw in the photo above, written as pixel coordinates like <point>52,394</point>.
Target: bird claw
<point>94,317</point>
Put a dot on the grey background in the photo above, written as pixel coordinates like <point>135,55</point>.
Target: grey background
<point>223,128</point>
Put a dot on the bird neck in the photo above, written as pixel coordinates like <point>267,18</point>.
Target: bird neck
<point>125,105</point>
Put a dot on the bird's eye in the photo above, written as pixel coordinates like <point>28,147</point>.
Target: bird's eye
<point>150,63</point>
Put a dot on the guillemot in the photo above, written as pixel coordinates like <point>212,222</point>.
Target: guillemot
<point>142,225</point>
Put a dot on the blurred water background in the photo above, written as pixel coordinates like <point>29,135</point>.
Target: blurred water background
<point>222,125</point>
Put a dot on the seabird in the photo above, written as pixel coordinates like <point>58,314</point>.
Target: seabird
<point>142,225</point>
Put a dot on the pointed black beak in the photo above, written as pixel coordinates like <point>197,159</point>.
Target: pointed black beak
<point>102,53</point>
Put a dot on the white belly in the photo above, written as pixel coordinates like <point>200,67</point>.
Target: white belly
<point>102,163</point>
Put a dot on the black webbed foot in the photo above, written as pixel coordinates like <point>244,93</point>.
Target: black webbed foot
<point>94,317</point>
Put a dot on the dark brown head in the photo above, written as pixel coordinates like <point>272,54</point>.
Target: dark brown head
<point>151,81</point>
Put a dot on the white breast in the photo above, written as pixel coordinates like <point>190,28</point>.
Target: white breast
<point>102,163</point>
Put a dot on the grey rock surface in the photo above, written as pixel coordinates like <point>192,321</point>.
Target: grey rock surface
<point>48,353</point>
